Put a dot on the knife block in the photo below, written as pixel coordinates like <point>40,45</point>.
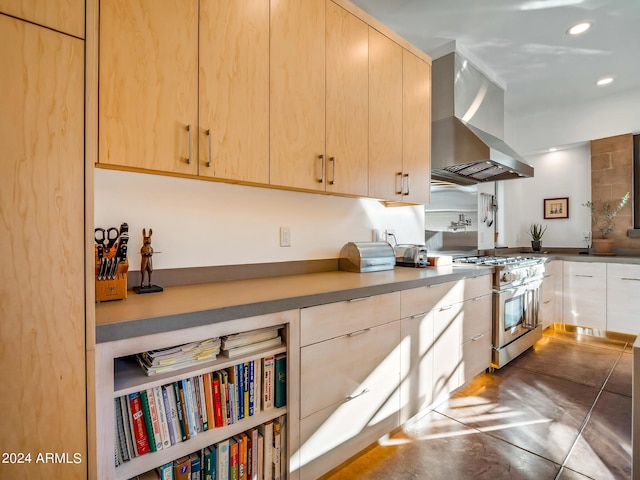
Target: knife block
<point>111,288</point>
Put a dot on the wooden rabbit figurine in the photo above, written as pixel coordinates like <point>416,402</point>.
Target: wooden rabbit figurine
<point>146,264</point>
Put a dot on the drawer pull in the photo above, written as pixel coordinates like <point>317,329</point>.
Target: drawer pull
<point>478,298</point>
<point>548,301</point>
<point>448,307</point>
<point>361,299</point>
<point>584,276</point>
<point>477,337</point>
<point>358,332</point>
<point>418,315</point>
<point>632,279</point>
<point>351,397</point>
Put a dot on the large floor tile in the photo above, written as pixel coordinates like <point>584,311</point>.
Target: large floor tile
<point>618,343</point>
<point>603,451</point>
<point>540,413</point>
<point>622,376</point>
<point>586,364</point>
<point>436,447</point>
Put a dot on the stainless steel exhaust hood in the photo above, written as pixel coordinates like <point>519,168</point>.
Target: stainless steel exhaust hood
<point>468,126</point>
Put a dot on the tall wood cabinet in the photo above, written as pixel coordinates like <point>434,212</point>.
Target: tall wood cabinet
<point>42,332</point>
<point>62,15</point>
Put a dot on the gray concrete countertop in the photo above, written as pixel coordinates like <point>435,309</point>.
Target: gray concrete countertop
<point>194,305</point>
<point>576,257</point>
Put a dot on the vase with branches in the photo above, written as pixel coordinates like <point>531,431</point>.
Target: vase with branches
<point>602,219</point>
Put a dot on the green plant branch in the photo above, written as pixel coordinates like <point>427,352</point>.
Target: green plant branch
<point>602,219</point>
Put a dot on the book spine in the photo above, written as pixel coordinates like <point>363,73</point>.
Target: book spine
<point>260,456</point>
<point>155,423</point>
<point>139,427</point>
<point>166,471</point>
<point>217,403</point>
<point>163,421</point>
<point>121,437</point>
<point>182,469</point>
<point>233,460</point>
<point>222,457</point>
<point>224,395</point>
<point>240,389</point>
<point>245,388</point>
<point>170,410</point>
<point>127,423</point>
<point>202,405</point>
<point>268,367</point>
<point>276,451</point>
<point>254,454</point>
<point>196,467</point>
<point>192,406</point>
<point>208,460</point>
<point>251,389</point>
<point>280,381</point>
<point>257,377</point>
<point>146,415</point>
<point>207,380</point>
<point>179,394</point>
<point>266,429</point>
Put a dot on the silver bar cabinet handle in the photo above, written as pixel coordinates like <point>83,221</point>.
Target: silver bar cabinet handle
<point>406,175</point>
<point>190,145</point>
<point>322,166</point>
<point>333,170</point>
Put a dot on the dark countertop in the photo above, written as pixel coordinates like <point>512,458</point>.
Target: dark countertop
<point>201,304</point>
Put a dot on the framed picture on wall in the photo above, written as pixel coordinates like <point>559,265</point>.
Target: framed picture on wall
<point>556,207</point>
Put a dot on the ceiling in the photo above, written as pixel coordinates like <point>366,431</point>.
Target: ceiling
<point>522,44</point>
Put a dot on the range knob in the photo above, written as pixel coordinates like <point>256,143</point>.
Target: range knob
<point>508,277</point>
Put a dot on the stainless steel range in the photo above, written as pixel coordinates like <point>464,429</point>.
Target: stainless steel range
<point>516,300</point>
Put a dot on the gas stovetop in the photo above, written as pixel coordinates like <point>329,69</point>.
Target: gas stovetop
<point>501,261</point>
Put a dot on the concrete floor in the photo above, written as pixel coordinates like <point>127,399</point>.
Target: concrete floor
<point>561,410</point>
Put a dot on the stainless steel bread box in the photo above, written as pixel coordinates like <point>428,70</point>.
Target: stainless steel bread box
<point>367,257</point>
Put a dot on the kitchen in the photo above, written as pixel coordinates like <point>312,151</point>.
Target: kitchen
<point>238,224</point>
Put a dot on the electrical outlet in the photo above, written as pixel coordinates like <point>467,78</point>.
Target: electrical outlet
<point>390,236</point>
<point>376,235</point>
<point>285,236</point>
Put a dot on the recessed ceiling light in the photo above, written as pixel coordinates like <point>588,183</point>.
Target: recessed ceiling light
<point>579,28</point>
<point>604,81</point>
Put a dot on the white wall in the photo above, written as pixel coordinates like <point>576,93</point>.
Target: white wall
<point>565,173</point>
<point>202,223</point>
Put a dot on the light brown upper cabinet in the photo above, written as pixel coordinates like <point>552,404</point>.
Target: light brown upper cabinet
<point>399,122</point>
<point>234,90</point>
<point>297,100</point>
<point>319,110</point>
<point>416,128</point>
<point>148,95</point>
<point>66,16</point>
<point>385,110</point>
<point>347,110</point>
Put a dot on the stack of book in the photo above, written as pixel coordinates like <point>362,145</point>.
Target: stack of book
<point>169,359</point>
<point>252,341</point>
<point>159,417</point>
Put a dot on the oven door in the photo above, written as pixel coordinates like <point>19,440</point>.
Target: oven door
<point>515,313</point>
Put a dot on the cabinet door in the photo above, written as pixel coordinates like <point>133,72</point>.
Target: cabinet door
<point>297,94</point>
<point>416,364</point>
<point>623,301</point>
<point>416,128</point>
<point>63,15</point>
<point>385,117</point>
<point>447,354</point>
<point>148,100</point>
<point>476,337</point>
<point>355,380</point>
<point>585,295</point>
<point>347,111</point>
<point>234,90</point>
<point>42,332</point>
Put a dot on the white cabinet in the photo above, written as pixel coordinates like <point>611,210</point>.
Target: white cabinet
<point>585,294</point>
<point>446,339</point>
<point>349,379</point>
<point>623,298</point>
<point>550,305</point>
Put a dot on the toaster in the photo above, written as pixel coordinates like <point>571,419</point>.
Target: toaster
<point>411,255</point>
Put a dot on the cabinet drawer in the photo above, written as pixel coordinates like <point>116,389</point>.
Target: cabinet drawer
<point>424,299</point>
<point>334,371</point>
<point>332,320</point>
<point>476,356</point>
<point>477,317</point>
<point>336,433</point>
<point>477,286</point>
